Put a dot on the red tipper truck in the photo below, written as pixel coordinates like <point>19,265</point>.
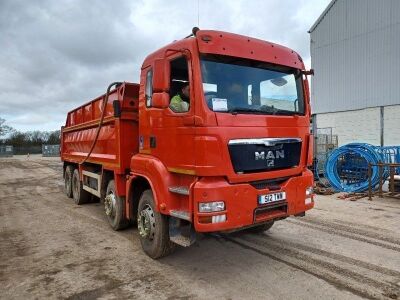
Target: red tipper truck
<point>215,138</point>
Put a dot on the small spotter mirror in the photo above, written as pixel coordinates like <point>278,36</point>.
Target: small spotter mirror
<point>279,81</point>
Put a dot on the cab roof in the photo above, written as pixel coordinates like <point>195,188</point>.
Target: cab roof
<point>230,44</point>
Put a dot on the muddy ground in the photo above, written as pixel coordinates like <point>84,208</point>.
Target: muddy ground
<point>51,248</point>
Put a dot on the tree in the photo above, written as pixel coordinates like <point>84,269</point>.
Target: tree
<point>36,138</point>
<point>27,142</point>
<point>4,129</point>
<point>18,139</point>
<point>54,137</point>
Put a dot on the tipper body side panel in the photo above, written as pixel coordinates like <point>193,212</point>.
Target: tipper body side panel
<point>118,138</point>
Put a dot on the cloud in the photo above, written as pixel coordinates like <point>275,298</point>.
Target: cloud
<point>55,55</point>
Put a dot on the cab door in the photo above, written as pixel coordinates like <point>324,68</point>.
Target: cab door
<point>171,131</point>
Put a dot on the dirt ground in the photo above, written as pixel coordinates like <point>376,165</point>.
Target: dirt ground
<point>51,248</point>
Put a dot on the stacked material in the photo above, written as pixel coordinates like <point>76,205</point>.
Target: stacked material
<point>347,167</point>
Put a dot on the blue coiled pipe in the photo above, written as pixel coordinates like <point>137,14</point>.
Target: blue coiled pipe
<point>347,167</point>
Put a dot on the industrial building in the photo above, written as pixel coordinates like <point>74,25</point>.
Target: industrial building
<point>355,53</point>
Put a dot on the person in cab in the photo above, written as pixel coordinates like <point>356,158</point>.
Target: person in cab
<point>180,102</point>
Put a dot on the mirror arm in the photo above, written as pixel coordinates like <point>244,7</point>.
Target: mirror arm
<point>308,72</point>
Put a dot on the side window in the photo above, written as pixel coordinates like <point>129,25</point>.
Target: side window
<point>179,85</point>
<point>149,87</point>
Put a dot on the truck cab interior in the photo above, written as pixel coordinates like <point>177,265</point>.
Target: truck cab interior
<point>179,76</point>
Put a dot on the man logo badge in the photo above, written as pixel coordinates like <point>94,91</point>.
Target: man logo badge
<point>270,156</point>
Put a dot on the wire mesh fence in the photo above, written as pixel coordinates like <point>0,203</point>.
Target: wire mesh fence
<point>50,150</point>
<point>24,150</point>
<point>45,150</point>
<point>326,142</point>
<point>6,151</point>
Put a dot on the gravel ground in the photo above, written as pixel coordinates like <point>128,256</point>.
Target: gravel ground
<point>51,248</point>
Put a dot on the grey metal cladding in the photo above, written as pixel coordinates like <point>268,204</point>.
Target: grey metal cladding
<point>355,52</point>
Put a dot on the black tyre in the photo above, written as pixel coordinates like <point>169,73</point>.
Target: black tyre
<point>260,228</point>
<point>78,193</point>
<point>153,228</point>
<point>69,170</point>
<point>115,208</point>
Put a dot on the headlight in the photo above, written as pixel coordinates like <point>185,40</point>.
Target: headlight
<point>205,207</point>
<point>309,191</point>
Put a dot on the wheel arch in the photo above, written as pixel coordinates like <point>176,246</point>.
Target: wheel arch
<point>136,186</point>
<point>157,175</point>
<point>106,177</point>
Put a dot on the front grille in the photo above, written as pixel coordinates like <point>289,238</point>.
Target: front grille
<point>269,212</point>
<point>271,184</point>
<point>259,155</point>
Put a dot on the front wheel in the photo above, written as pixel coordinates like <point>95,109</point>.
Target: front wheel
<point>115,208</point>
<point>153,228</point>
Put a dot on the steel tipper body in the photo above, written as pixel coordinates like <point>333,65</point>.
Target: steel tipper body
<point>235,158</point>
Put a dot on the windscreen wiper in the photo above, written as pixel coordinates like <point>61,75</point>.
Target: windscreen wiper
<point>236,110</point>
<point>286,112</point>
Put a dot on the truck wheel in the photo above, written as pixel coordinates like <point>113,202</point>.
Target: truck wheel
<point>153,228</point>
<point>260,228</point>
<point>115,208</point>
<point>79,194</point>
<point>69,170</point>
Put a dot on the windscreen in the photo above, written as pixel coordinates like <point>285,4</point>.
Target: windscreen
<point>236,85</point>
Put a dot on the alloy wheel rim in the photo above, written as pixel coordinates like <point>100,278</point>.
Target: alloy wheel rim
<point>146,223</point>
<point>110,205</point>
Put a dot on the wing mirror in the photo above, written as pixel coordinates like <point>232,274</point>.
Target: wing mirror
<point>161,75</point>
<point>160,100</point>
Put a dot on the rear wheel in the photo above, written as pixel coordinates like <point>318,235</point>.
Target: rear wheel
<point>153,228</point>
<point>69,170</point>
<point>260,228</point>
<point>79,194</point>
<point>115,208</point>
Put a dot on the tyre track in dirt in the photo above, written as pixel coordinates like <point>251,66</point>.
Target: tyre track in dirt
<point>349,232</point>
<point>351,228</point>
<point>339,257</point>
<point>335,269</point>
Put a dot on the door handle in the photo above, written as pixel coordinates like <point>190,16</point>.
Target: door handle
<point>193,120</point>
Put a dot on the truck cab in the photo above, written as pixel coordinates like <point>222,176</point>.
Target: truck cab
<point>237,156</point>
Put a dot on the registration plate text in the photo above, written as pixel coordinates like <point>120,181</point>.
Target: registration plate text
<point>273,197</point>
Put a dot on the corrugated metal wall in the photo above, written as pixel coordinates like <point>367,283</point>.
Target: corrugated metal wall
<point>355,52</point>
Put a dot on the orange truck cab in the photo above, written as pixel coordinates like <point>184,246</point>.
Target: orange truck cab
<point>216,138</point>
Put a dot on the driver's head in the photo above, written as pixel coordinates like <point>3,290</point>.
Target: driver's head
<point>186,90</point>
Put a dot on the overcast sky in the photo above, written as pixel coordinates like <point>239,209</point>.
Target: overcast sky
<point>58,54</point>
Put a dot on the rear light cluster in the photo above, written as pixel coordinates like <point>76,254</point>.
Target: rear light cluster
<point>212,207</point>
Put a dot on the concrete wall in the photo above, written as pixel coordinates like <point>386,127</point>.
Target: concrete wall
<point>391,125</point>
<point>363,125</point>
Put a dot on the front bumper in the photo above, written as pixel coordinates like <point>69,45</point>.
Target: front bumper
<point>241,202</point>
